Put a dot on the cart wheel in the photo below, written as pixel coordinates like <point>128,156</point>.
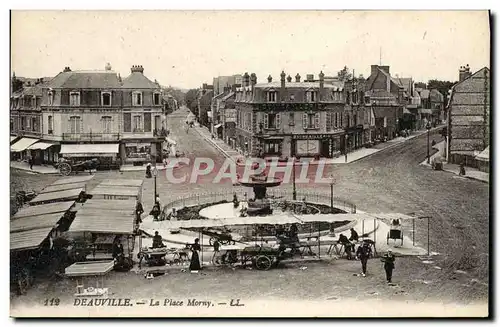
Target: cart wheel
<point>65,169</point>
<point>263,262</point>
<point>211,241</point>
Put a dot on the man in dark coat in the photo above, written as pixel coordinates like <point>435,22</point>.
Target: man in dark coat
<point>347,245</point>
<point>354,235</point>
<point>139,210</point>
<point>157,241</point>
<point>364,252</point>
<point>388,260</point>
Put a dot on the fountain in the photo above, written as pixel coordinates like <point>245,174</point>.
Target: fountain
<point>260,205</point>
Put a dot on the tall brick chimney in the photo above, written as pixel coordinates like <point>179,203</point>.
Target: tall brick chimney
<point>283,89</point>
<point>289,79</point>
<point>66,69</point>
<point>297,78</point>
<point>246,79</point>
<point>137,69</point>
<point>269,78</point>
<point>321,86</point>
<point>310,78</point>
<point>253,79</point>
<point>464,73</point>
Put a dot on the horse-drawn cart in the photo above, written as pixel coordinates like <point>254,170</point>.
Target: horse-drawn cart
<point>67,166</point>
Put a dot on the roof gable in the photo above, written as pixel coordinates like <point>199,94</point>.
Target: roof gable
<point>137,80</point>
<point>84,80</point>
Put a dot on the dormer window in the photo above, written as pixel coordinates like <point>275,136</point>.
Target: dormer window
<point>367,99</point>
<point>137,98</point>
<point>271,96</point>
<point>311,96</point>
<point>51,98</point>
<point>106,99</point>
<point>156,99</point>
<point>74,99</point>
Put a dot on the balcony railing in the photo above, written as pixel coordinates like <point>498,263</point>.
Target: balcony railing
<point>91,137</point>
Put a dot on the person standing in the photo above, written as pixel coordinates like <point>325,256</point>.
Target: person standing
<point>215,257</point>
<point>388,260</point>
<point>195,258</point>
<point>30,162</point>
<point>139,210</point>
<point>363,255</point>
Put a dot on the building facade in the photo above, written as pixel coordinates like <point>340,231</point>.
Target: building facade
<point>301,119</point>
<point>96,114</point>
<point>469,117</point>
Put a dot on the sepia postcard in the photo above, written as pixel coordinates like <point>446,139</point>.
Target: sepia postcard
<point>250,163</point>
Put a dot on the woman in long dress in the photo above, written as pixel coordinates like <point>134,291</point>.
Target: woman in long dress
<point>195,258</point>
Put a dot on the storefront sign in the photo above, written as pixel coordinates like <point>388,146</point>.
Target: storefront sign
<point>230,115</point>
<point>312,136</point>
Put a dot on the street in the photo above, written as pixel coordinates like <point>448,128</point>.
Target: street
<point>388,181</point>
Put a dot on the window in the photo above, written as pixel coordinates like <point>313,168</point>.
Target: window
<point>354,97</point>
<point>311,96</point>
<point>341,120</point>
<point>336,120</point>
<point>158,123</point>
<point>137,99</point>
<point>348,120</point>
<point>367,99</point>
<point>28,124</point>
<point>106,124</point>
<point>50,124</point>
<point>33,102</point>
<point>311,121</point>
<point>51,98</point>
<point>75,124</point>
<point>11,124</point>
<point>272,121</point>
<point>291,119</point>
<point>137,124</point>
<point>336,95</point>
<point>127,122</point>
<point>33,124</point>
<point>156,99</point>
<point>23,123</point>
<point>74,99</point>
<point>106,99</point>
<point>271,96</point>
<point>328,121</point>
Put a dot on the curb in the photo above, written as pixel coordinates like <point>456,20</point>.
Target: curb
<point>33,171</point>
<point>215,145</point>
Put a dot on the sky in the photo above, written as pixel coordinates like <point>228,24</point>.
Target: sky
<point>188,48</point>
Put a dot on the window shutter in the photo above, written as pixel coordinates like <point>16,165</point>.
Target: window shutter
<point>304,121</point>
<point>278,121</point>
<point>328,121</point>
<point>147,122</point>
<point>127,122</point>
<point>70,123</point>
<point>266,121</point>
<point>316,120</point>
<point>80,125</point>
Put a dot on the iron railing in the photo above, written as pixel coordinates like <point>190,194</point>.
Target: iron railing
<point>91,137</point>
<point>243,193</point>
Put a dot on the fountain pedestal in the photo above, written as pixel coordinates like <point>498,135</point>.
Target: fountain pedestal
<point>260,205</point>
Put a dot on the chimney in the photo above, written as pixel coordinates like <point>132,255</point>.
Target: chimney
<point>246,80</point>
<point>137,69</point>
<point>108,66</point>
<point>297,78</point>
<point>269,79</point>
<point>289,79</point>
<point>253,79</point>
<point>385,69</point>
<point>66,69</point>
<point>321,85</point>
<point>283,90</point>
<point>204,86</point>
<point>463,73</point>
<point>309,78</point>
<point>374,69</point>
<point>41,80</point>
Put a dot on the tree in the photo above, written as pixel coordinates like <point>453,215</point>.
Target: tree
<point>344,74</point>
<point>442,86</point>
<point>190,98</point>
<point>420,85</point>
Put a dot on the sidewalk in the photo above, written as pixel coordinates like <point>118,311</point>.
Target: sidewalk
<point>219,144</point>
<point>471,173</point>
<point>37,169</point>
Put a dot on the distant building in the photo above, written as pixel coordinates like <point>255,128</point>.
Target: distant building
<point>469,118</point>
<point>204,105</point>
<point>222,82</point>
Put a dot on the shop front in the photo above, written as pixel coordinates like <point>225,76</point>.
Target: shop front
<point>43,152</point>
<point>139,152</point>
<point>271,147</point>
<point>354,138</point>
<point>105,153</point>
<point>315,145</point>
<point>19,149</point>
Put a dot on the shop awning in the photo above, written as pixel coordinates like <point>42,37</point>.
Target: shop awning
<point>484,155</point>
<point>35,222</point>
<point>406,111</point>
<point>218,126</point>
<point>89,149</point>
<point>28,239</point>
<point>44,209</point>
<point>12,138</point>
<point>22,144</point>
<point>40,146</point>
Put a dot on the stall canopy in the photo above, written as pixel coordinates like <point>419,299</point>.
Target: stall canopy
<point>104,205</point>
<point>22,144</point>
<point>12,138</point>
<point>43,209</point>
<point>35,222</point>
<point>29,239</point>
<point>62,187</point>
<point>122,182</point>
<point>425,111</point>
<point>116,190</point>
<point>72,180</point>
<point>40,146</point>
<point>89,268</point>
<point>484,155</point>
<point>105,222</point>
<point>60,196</point>
<point>89,149</point>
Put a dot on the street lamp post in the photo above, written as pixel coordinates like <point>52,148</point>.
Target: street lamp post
<point>428,126</point>
<point>345,146</point>
<point>155,173</point>
<point>294,192</point>
<point>332,182</point>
